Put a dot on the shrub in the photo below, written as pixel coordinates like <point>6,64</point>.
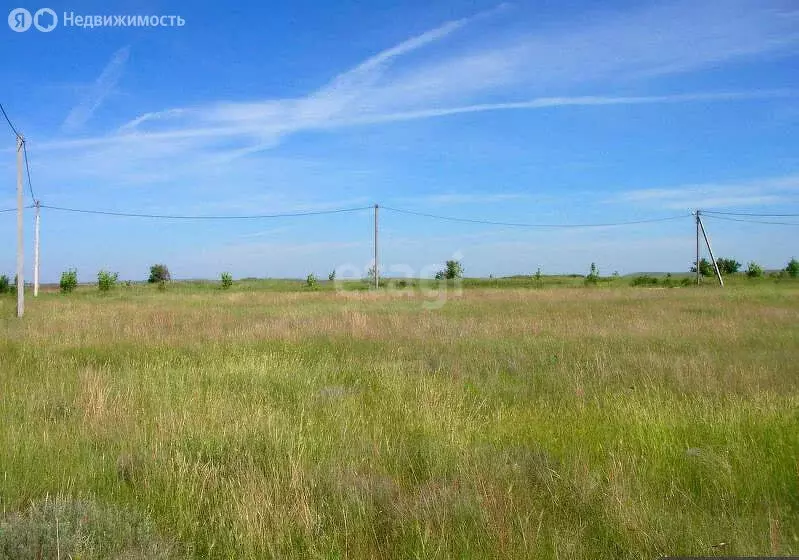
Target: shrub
<point>62,528</point>
<point>5,285</point>
<point>645,280</point>
<point>69,280</point>
<point>537,277</point>
<point>159,273</point>
<point>311,281</point>
<point>106,280</point>
<point>593,275</point>
<point>452,271</point>
<point>332,275</point>
<point>728,266</point>
<point>793,268</point>
<point>705,268</point>
<point>162,286</point>
<point>685,282</point>
<point>754,270</point>
<point>227,280</point>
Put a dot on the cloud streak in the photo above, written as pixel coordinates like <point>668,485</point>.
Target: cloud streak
<point>103,86</point>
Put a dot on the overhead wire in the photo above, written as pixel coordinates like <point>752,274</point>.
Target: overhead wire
<point>204,217</point>
<point>532,225</point>
<point>747,221</point>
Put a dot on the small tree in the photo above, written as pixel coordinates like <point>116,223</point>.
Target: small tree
<point>705,268</point>
<point>69,280</point>
<point>793,268</point>
<point>728,266</point>
<point>227,280</point>
<point>311,281</point>
<point>452,270</point>
<point>593,275</point>
<point>5,285</point>
<point>754,270</point>
<point>106,280</point>
<point>537,277</point>
<point>159,273</point>
<point>332,275</point>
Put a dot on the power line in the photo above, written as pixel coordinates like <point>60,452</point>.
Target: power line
<point>517,224</point>
<point>16,133</point>
<point>28,169</point>
<point>751,214</point>
<point>728,219</point>
<point>187,217</point>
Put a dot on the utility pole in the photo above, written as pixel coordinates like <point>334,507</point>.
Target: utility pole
<point>709,250</point>
<point>697,246</point>
<point>36,253</point>
<point>20,244</point>
<point>377,272</point>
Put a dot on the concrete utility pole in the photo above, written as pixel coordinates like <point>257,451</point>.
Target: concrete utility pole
<point>709,250</point>
<point>697,247</point>
<point>36,253</point>
<point>20,244</point>
<point>377,272</point>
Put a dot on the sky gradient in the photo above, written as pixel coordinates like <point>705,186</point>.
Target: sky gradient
<point>539,112</point>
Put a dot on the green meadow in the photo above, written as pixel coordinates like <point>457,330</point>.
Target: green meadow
<point>506,420</point>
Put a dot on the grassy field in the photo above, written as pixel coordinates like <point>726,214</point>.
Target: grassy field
<point>562,422</point>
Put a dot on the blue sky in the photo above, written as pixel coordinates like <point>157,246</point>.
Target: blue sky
<point>554,112</point>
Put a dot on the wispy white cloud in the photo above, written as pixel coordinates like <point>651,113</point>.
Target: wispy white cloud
<point>98,92</point>
<point>498,73</point>
<point>759,192</point>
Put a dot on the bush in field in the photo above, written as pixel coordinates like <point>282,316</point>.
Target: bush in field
<point>593,275</point>
<point>5,285</point>
<point>69,280</point>
<point>705,267</point>
<point>227,280</point>
<point>537,277</point>
<point>106,280</point>
<point>159,273</point>
<point>754,270</point>
<point>311,281</point>
<point>728,266</point>
<point>332,275</point>
<point>793,268</point>
<point>452,271</point>
<point>645,280</point>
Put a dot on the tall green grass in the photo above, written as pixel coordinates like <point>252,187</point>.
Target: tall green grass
<point>511,423</point>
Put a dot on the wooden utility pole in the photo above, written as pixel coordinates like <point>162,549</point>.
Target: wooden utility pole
<point>377,272</point>
<point>709,250</point>
<point>697,247</point>
<point>36,253</point>
<point>20,244</point>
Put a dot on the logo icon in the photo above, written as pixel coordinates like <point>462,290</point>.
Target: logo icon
<point>19,20</point>
<point>45,20</point>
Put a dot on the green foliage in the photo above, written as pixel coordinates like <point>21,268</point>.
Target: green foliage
<point>646,280</point>
<point>5,285</point>
<point>69,280</point>
<point>538,277</point>
<point>332,275</point>
<point>705,267</point>
<point>227,280</point>
<point>754,270</point>
<point>593,275</point>
<point>311,281</point>
<point>452,270</point>
<point>162,286</point>
<point>728,266</point>
<point>793,268</point>
<point>106,280</point>
<point>159,273</point>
